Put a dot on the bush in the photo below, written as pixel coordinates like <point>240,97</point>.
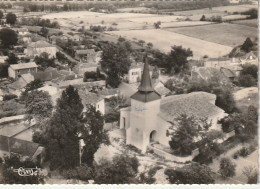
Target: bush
<point>247,80</point>
<point>244,152</point>
<point>82,173</point>
<point>9,97</point>
<point>226,168</point>
<point>93,76</point>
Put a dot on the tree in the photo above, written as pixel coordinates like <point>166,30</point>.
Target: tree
<point>249,69</point>
<point>122,170</point>
<point>190,174</point>
<point>203,18</point>
<point>11,18</point>
<point>115,61</point>
<point>12,59</point>
<point>4,70</point>
<point>246,80</point>
<point>44,32</point>
<point>225,100</point>
<point>93,134</point>
<point>247,45</point>
<point>63,130</point>
<point>177,59</point>
<point>14,161</point>
<point>35,84</point>
<point>8,37</point>
<point>38,105</point>
<point>182,138</point>
<point>157,25</point>
<point>1,14</point>
<point>227,168</point>
<point>44,61</point>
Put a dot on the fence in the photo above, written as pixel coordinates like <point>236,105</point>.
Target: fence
<point>172,157</point>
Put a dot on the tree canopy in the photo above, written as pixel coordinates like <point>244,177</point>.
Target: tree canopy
<point>8,37</point>
<point>44,61</point>
<point>93,133</point>
<point>12,59</point>
<point>115,62</point>
<point>62,132</point>
<point>38,105</point>
<point>14,161</point>
<point>247,45</point>
<point>190,174</point>
<point>11,18</point>
<point>122,170</point>
<point>35,84</point>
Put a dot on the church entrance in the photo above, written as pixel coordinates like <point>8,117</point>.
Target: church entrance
<point>153,136</point>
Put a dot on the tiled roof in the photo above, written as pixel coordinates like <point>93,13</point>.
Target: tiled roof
<point>27,77</point>
<point>87,51</point>
<point>209,72</point>
<point>89,98</point>
<point>107,92</point>
<point>198,104</point>
<point>40,44</point>
<point>227,72</point>
<point>23,66</point>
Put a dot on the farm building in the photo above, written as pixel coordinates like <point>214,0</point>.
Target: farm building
<point>16,70</point>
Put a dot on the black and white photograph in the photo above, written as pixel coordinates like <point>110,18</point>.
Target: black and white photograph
<point>129,92</point>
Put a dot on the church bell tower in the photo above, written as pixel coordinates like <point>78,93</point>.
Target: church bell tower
<point>145,106</point>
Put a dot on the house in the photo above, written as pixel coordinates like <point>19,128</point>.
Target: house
<point>89,98</point>
<point>64,37</point>
<point>249,58</point>
<point>135,72</point>
<point>16,70</point>
<point>108,93</point>
<point>3,59</point>
<point>81,68</point>
<point>25,38</point>
<point>160,88</point>
<point>86,56</point>
<point>148,118</point>
<point>75,38</point>
<point>22,31</point>
<point>36,48</point>
<point>17,138</point>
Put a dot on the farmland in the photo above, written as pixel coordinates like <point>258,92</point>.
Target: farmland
<point>251,22</point>
<point>163,40</point>
<point>224,34</point>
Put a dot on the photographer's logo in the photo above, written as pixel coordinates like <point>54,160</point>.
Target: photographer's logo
<point>27,171</point>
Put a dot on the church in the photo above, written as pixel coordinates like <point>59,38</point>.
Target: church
<point>148,117</point>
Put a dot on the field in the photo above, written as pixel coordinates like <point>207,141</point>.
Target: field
<point>225,34</point>
<point>163,40</point>
<point>215,11</point>
<point>251,23</point>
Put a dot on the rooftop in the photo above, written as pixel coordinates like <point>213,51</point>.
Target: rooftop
<point>86,51</point>
<point>23,66</point>
<point>40,44</point>
<point>89,98</point>
<point>197,104</point>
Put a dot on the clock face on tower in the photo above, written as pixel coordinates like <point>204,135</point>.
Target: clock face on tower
<point>139,108</point>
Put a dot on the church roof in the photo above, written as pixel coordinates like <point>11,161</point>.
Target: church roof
<point>145,92</point>
<point>197,104</point>
<point>146,83</point>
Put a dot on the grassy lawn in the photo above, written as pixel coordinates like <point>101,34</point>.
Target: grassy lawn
<point>225,34</point>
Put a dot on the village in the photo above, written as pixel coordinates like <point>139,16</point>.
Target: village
<point>83,92</point>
